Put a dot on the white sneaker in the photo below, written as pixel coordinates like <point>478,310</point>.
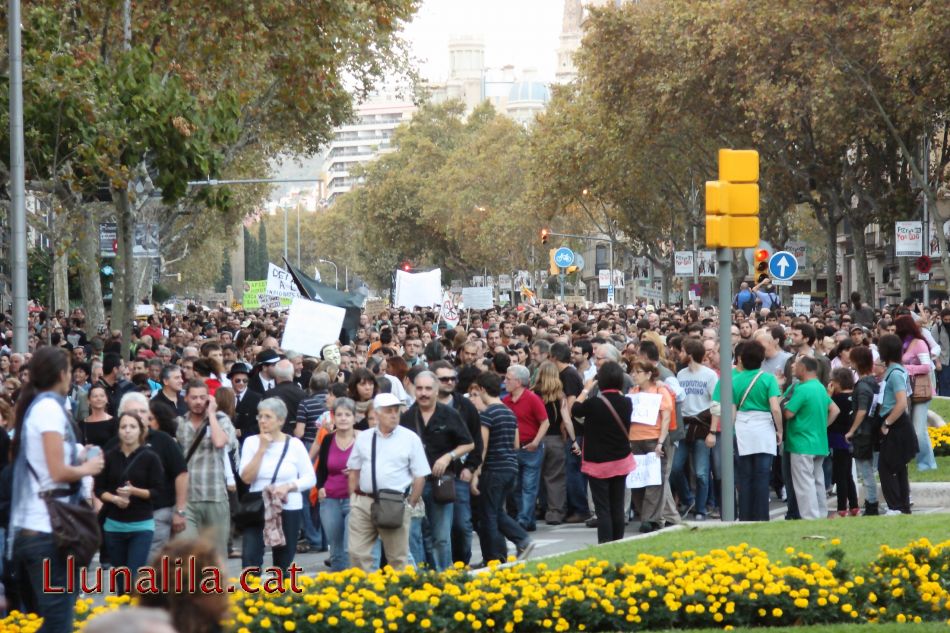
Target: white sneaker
<point>892,513</point>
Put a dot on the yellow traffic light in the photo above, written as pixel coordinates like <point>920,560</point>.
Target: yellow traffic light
<point>732,202</point>
<point>544,236</point>
<point>571,269</point>
<point>552,265</point>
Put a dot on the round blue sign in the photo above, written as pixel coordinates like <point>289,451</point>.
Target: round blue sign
<point>783,265</point>
<point>564,257</point>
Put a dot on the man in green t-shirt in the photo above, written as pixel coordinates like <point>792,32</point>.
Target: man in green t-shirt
<point>809,411</point>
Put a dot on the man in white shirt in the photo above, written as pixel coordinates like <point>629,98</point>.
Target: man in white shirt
<point>401,464</point>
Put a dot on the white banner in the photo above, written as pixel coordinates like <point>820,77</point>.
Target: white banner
<point>909,239</point>
<point>280,283</point>
<point>708,266</point>
<point>480,298</point>
<point>683,263</point>
<point>311,326</point>
<point>418,289</point>
<point>801,304</point>
<point>603,278</point>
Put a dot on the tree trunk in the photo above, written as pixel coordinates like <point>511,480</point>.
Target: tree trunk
<point>60,280</point>
<point>814,279</point>
<point>667,283</point>
<point>861,257</point>
<point>123,295</point>
<point>831,288</point>
<point>937,222</point>
<point>89,282</point>
<point>904,266</point>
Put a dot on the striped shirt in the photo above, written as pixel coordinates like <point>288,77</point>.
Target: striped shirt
<point>206,476</point>
<point>309,412</point>
<point>502,426</point>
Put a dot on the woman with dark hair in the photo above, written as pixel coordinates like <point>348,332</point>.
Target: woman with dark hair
<point>915,358</point>
<point>362,388</point>
<point>99,427</point>
<point>898,441</point>
<point>46,459</point>
<point>758,425</point>
<point>864,433</point>
<point>604,422</point>
<point>165,416</point>
<point>646,437</point>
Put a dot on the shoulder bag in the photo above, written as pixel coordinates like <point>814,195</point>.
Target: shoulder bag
<point>623,430</point>
<point>388,510</point>
<point>74,523</point>
<point>250,512</point>
<point>443,487</point>
<point>195,442</point>
<point>921,388</point>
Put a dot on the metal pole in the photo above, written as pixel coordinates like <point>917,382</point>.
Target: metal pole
<point>726,425</point>
<point>346,278</point>
<point>17,176</point>
<point>560,278</point>
<point>926,231</point>
<point>611,256</point>
<point>695,302</point>
<point>285,232</point>
<point>298,236</point>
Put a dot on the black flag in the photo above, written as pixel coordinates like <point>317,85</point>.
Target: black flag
<point>352,302</point>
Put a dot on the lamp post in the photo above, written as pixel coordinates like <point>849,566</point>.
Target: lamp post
<point>336,273</point>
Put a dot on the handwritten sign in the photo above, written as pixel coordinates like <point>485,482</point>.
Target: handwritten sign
<point>373,307</point>
<point>647,472</point>
<point>646,408</point>
<point>450,311</point>
<point>801,304</point>
<point>909,242</point>
<point>280,283</point>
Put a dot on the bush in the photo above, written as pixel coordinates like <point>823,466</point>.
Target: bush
<point>940,438</point>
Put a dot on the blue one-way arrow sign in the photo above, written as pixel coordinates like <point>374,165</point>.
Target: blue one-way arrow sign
<point>783,266</point>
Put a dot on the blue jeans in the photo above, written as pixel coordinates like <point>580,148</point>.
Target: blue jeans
<point>752,480</point>
<point>496,523</point>
<point>333,517</point>
<point>526,486</point>
<point>56,609</point>
<point>462,523</point>
<point>312,529</point>
<point>699,452</point>
<point>943,381</point>
<point>437,531</point>
<point>128,549</point>
<point>925,451</point>
<point>252,545</point>
<point>417,546</point>
<point>576,483</point>
<point>866,469</point>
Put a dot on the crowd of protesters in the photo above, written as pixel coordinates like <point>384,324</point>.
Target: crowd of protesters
<point>412,437</point>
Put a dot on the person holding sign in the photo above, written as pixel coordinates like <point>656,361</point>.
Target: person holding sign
<point>606,458</point>
<point>652,410</point>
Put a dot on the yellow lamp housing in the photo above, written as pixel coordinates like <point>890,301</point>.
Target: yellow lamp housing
<point>739,165</point>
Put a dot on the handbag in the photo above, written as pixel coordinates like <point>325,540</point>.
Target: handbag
<point>75,525</point>
<point>697,426</point>
<point>443,487</point>
<point>250,512</point>
<point>388,510</point>
<point>921,389</point>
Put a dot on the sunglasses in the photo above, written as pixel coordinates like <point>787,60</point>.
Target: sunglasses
<point>239,381</point>
<point>448,378</point>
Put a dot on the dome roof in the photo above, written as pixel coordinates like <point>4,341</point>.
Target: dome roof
<point>529,91</point>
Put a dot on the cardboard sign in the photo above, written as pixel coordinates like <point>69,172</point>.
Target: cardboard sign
<point>647,472</point>
<point>418,289</point>
<point>646,408</point>
<point>801,304</point>
<point>478,298</point>
<point>280,283</point>
<point>373,307</point>
<point>311,326</point>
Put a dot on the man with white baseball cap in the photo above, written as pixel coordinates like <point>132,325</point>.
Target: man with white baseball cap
<point>389,457</point>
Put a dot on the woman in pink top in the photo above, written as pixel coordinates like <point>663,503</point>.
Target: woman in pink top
<point>332,481</point>
<point>916,359</point>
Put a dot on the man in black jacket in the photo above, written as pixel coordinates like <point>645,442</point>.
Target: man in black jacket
<point>115,386</point>
<point>245,412</point>
<point>462,513</point>
<point>262,380</point>
<point>288,391</point>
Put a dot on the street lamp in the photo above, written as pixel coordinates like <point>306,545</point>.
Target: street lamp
<point>336,273</point>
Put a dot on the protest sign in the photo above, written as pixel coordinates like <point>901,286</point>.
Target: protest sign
<point>647,472</point>
<point>646,408</point>
<point>311,326</point>
<point>418,289</point>
<point>478,298</point>
<point>280,283</point>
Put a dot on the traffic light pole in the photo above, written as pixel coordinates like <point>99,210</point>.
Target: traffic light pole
<point>589,238</point>
<point>726,414</point>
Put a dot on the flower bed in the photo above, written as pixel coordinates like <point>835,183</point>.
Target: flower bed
<point>733,587</point>
<point>940,439</point>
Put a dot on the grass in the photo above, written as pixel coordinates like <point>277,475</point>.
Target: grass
<point>941,406</point>
<point>861,538</point>
<point>888,627</point>
<point>941,474</point>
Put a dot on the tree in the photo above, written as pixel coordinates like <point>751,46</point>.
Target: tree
<point>224,279</point>
<point>262,256</point>
<point>250,255</point>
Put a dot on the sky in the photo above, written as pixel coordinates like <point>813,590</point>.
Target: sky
<point>523,33</point>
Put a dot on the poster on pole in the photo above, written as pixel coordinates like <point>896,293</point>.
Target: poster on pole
<point>934,242</point>
<point>504,282</point>
<point>603,278</point>
<point>107,239</point>
<point>801,304</point>
<point>909,239</point>
<point>146,242</point>
<point>683,263</point>
<point>418,289</point>
<point>707,264</point>
<point>478,298</point>
<point>800,251</point>
<point>311,326</point>
<point>618,279</point>
<point>641,269</point>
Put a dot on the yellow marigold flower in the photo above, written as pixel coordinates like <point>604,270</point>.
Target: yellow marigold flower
<point>333,620</point>
<point>776,612</point>
<point>901,618</point>
<point>836,541</point>
<point>289,625</point>
<point>801,603</point>
<point>265,623</point>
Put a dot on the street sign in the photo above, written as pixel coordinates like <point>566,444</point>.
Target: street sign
<point>579,261</point>
<point>783,265</point>
<point>923,276</point>
<point>564,257</point>
<point>610,294</point>
<point>781,282</point>
<point>923,264</point>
